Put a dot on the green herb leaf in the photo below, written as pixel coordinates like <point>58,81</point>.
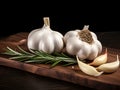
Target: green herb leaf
<point>36,56</point>
<point>10,51</point>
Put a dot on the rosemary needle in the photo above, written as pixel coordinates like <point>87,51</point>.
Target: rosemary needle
<point>40,57</point>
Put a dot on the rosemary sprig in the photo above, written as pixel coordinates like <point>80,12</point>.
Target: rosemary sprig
<point>40,57</point>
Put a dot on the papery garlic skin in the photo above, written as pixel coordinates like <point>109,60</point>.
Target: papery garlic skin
<point>45,39</point>
<point>87,69</point>
<point>110,67</point>
<point>85,50</point>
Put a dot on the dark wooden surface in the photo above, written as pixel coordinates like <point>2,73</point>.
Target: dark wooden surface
<point>14,79</point>
<point>11,78</point>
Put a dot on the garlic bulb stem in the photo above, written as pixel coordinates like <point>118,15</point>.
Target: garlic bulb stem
<point>86,27</point>
<point>46,21</point>
<point>90,70</point>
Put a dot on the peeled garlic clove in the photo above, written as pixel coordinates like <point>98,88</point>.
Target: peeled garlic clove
<point>100,59</point>
<point>110,67</point>
<point>90,70</point>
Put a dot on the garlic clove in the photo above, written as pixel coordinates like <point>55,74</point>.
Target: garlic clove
<point>87,69</point>
<point>94,36</point>
<point>73,45</point>
<point>58,41</point>
<point>46,44</point>
<point>94,52</point>
<point>99,46</point>
<point>109,67</point>
<point>84,52</point>
<point>70,34</point>
<point>100,59</point>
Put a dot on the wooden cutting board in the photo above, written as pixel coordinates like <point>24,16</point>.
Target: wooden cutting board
<point>70,73</point>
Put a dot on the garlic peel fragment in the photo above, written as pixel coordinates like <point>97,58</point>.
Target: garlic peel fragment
<point>109,67</point>
<point>90,70</point>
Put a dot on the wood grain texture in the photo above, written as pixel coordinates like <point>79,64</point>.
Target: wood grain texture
<point>73,75</point>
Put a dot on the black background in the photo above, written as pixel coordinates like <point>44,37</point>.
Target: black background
<point>27,16</point>
<point>20,16</point>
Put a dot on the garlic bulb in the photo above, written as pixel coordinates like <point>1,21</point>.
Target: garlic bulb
<point>110,67</point>
<point>45,39</point>
<point>100,59</point>
<point>82,43</point>
<point>90,70</point>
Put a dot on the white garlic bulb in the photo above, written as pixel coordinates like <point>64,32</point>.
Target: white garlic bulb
<point>82,43</point>
<point>110,67</point>
<point>45,39</point>
<point>90,70</point>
